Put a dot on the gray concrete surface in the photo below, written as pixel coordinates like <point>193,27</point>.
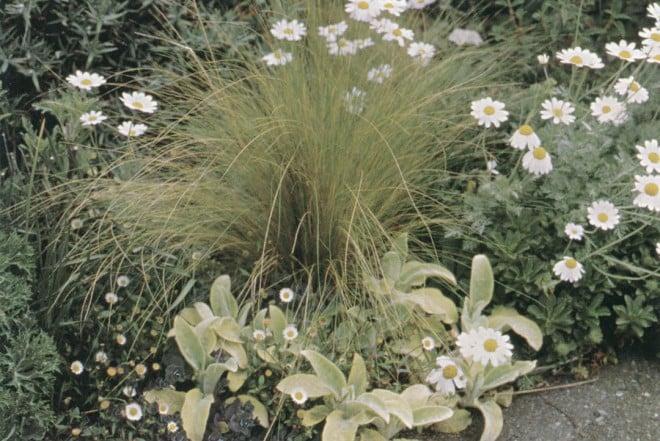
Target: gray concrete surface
<point>623,404</point>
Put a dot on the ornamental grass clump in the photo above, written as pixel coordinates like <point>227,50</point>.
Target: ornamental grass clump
<point>310,158</point>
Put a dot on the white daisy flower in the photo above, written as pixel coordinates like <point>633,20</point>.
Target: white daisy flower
<point>488,112</point>
<point>657,249</point>
<point>625,51</point>
<point>463,37</point>
<point>129,391</point>
<point>491,166</point>
<point>163,408</point>
<point>607,109</point>
<point>603,215</point>
<point>120,339</point>
<point>448,377</point>
<point>85,80</point>
<point>286,295</point>
<point>111,298</point>
<point>419,4</point>
<point>259,335</point>
<point>133,412</point>
<point>561,112</point>
<point>290,333</point>
<point>649,156</point>
<point>362,43</point>
<point>141,369</point>
<point>76,223</point>
<point>130,129</point>
<point>394,7</point>
<point>363,10</point>
<point>172,427</point>
<point>543,59</point>
<point>648,188</point>
<point>485,345</point>
<point>139,101</point>
<point>653,11</point>
<point>423,52</point>
<point>633,91</point>
<point>354,100</point>
<point>568,269</point>
<point>92,118</point>
<point>574,231</point>
<point>651,37</point>
<point>382,25</point>
<point>342,47</point>
<point>524,138</point>
<point>77,367</point>
<point>653,54</point>
<point>399,34</point>
<point>277,58</point>
<point>123,281</point>
<point>333,31</point>
<point>299,395</point>
<point>428,343</point>
<point>288,30</point>
<point>537,161</point>
<point>580,57</point>
<point>101,357</point>
<point>380,73</point>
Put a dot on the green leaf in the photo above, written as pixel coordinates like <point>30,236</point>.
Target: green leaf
<point>204,311</point>
<point>222,302</point>
<point>326,371</point>
<point>235,380</point>
<point>173,398</point>
<point>506,373</point>
<point>503,319</point>
<point>371,435</point>
<point>493,420</point>
<point>358,375</point>
<point>396,405</point>
<point>236,350</point>
<point>415,273</point>
<point>310,383</point>
<point>227,328</point>
<point>391,264</point>
<point>416,395</point>
<point>432,301</point>
<point>458,422</point>
<point>195,413</point>
<point>213,373</point>
<point>338,428</point>
<point>182,296</point>
<point>315,415</point>
<point>374,404</point>
<point>189,344</point>
<point>431,414</point>
<point>277,323</point>
<point>400,245</point>
<point>481,285</point>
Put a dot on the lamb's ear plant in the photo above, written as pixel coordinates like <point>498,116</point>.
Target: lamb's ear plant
<point>210,339</point>
<point>348,404</point>
<point>482,378</point>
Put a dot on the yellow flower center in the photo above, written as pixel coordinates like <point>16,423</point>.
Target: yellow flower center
<point>288,31</point>
<point>625,54</point>
<point>634,86</point>
<point>576,59</point>
<point>298,395</point>
<point>603,217</point>
<point>388,5</point>
<point>557,112</point>
<point>133,411</point>
<point>525,130</point>
<point>86,82</point>
<point>277,55</point>
<point>363,5</point>
<point>571,263</point>
<point>656,58</point>
<point>397,32</point>
<point>290,334</point>
<point>490,345</point>
<point>137,105</point>
<point>450,371</point>
<point>655,37</point>
<point>606,109</point>
<point>539,153</point>
<point>653,157</point>
<point>489,110</point>
<point>651,189</point>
